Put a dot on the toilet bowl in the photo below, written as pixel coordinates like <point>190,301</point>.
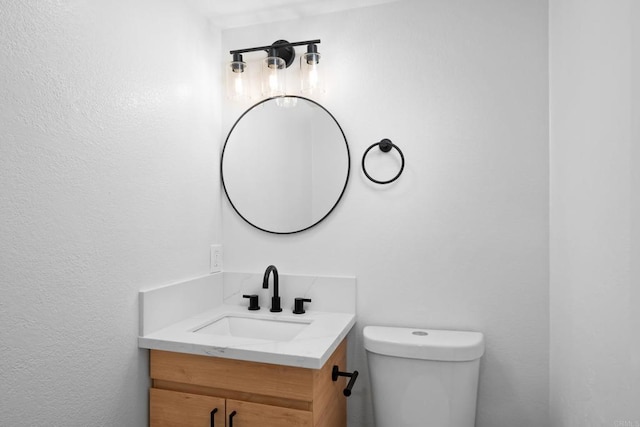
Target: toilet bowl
<point>423,377</point>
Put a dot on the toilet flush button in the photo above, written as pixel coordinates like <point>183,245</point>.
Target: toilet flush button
<point>420,333</point>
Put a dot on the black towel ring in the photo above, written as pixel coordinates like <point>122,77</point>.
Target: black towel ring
<point>385,145</point>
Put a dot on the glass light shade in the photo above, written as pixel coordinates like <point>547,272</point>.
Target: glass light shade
<point>311,74</point>
<point>237,80</point>
<point>273,76</point>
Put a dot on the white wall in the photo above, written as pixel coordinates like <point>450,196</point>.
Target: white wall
<point>595,209</point>
<point>109,138</point>
<point>635,194</point>
<point>461,240</point>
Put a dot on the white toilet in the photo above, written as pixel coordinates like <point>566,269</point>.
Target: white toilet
<point>423,377</point>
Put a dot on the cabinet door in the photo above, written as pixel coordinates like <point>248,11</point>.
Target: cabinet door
<point>257,415</point>
<point>176,409</point>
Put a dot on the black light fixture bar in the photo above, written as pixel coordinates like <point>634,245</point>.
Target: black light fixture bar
<point>266,48</point>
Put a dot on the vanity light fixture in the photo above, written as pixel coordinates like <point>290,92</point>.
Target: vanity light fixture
<point>273,74</point>
<point>310,71</point>
<point>237,84</point>
<point>280,55</point>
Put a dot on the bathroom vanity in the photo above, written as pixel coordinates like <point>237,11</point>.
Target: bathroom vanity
<point>194,390</point>
<point>228,366</point>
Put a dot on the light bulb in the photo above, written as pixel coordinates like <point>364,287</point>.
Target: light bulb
<point>310,71</point>
<point>273,76</point>
<point>237,87</point>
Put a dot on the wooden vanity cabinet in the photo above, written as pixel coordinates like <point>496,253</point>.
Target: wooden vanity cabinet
<point>187,388</point>
<point>174,408</point>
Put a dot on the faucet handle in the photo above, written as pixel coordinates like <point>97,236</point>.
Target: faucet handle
<point>298,305</point>
<point>253,301</point>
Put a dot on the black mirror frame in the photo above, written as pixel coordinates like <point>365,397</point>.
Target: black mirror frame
<point>346,143</point>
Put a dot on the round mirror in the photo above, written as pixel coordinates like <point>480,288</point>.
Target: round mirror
<point>285,164</point>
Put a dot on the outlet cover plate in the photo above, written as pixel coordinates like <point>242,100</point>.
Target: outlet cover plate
<point>216,259</point>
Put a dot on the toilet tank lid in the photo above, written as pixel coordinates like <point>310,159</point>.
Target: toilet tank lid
<point>427,344</point>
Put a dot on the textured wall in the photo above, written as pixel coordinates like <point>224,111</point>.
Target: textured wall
<point>461,240</point>
<point>109,137</point>
<point>595,213</point>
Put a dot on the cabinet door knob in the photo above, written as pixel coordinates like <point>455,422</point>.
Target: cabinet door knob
<point>231,415</point>
<point>213,416</point>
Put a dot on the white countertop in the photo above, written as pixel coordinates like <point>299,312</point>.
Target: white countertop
<point>311,348</point>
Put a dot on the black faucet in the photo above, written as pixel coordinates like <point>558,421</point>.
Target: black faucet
<point>275,300</point>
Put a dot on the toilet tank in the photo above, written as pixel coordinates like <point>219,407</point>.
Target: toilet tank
<point>423,377</point>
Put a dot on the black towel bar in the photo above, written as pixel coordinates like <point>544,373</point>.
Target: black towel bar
<point>351,375</point>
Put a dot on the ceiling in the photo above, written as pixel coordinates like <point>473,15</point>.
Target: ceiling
<point>240,13</point>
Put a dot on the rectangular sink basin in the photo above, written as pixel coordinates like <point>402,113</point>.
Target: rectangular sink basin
<point>252,327</point>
